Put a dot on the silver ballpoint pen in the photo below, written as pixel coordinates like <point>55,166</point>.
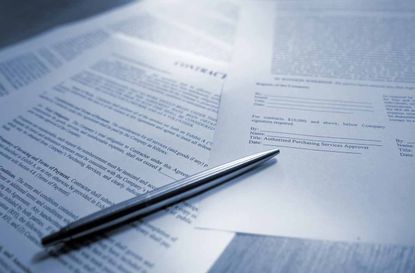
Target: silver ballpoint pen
<point>157,199</point>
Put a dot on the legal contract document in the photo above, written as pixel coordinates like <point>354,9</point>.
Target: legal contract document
<point>121,121</point>
<point>335,91</point>
<point>166,24</point>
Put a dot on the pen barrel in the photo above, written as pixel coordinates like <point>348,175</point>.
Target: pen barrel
<point>157,199</point>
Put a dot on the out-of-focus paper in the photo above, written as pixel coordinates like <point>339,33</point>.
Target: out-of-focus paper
<point>294,255</point>
<point>119,122</point>
<point>166,24</point>
<point>335,92</point>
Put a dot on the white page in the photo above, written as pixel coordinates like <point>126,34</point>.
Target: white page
<point>341,110</point>
<point>154,22</point>
<point>347,5</point>
<point>118,122</point>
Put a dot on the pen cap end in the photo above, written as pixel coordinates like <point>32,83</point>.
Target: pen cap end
<point>51,239</point>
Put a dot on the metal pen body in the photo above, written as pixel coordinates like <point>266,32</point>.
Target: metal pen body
<point>157,199</point>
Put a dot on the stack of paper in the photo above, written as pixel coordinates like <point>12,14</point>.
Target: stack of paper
<point>333,87</point>
<point>101,110</point>
<point>340,107</point>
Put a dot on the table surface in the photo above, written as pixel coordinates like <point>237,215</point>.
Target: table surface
<point>22,19</point>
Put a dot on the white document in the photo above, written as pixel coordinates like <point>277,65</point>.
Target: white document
<point>120,121</point>
<point>163,23</point>
<point>341,108</point>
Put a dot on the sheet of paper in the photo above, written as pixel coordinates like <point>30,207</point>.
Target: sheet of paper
<point>341,108</point>
<point>293,255</point>
<point>120,121</point>
<point>160,23</point>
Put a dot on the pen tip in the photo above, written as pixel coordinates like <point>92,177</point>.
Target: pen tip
<point>273,152</point>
